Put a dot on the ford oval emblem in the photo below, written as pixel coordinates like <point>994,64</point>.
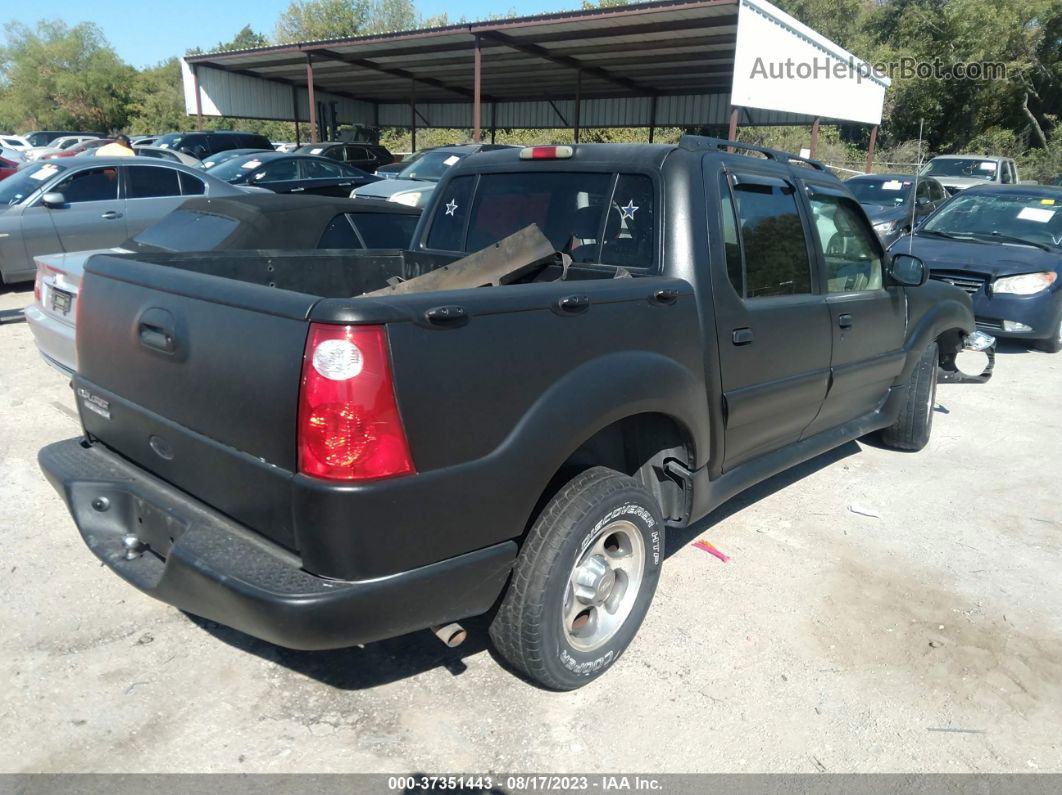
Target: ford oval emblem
<point>161,447</point>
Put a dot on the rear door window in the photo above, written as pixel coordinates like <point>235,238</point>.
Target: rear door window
<point>773,241</point>
<point>147,182</point>
<point>320,169</point>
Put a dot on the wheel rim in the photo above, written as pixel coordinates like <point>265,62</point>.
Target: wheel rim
<point>603,586</point>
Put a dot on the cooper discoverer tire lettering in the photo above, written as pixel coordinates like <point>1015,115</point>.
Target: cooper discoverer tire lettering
<point>583,582</point>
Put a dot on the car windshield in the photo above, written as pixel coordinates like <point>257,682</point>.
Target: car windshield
<point>169,141</point>
<point>39,139</point>
<point>20,185</point>
<point>1004,217</point>
<point>184,230</point>
<point>431,167</point>
<point>235,169</point>
<point>971,167</point>
<point>885,192</point>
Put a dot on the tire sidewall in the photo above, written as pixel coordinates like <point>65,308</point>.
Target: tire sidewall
<point>566,663</point>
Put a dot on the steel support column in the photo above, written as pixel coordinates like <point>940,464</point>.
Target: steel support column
<point>578,100</point>
<point>493,120</point>
<point>732,132</point>
<point>814,137</point>
<point>476,104</point>
<point>413,115</point>
<point>311,98</point>
<point>295,113</point>
<point>652,118</point>
<point>198,98</point>
<point>870,150</point>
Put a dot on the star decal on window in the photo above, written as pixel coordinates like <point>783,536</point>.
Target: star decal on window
<point>629,210</point>
<point>451,207</point>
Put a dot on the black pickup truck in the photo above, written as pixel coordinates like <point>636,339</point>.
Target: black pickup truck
<point>302,449</point>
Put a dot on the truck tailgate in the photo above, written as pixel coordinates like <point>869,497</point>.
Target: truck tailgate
<point>195,378</point>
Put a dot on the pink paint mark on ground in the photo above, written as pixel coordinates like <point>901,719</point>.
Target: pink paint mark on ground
<point>711,550</point>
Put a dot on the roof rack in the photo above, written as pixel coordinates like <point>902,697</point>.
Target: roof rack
<point>695,142</point>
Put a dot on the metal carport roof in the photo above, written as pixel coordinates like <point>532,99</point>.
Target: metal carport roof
<point>676,62</point>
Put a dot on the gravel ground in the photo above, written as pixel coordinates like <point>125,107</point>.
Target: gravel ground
<point>926,638</point>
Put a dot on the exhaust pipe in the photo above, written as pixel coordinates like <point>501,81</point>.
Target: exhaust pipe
<point>450,634</point>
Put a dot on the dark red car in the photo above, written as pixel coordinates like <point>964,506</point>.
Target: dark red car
<point>80,149</point>
<point>7,167</point>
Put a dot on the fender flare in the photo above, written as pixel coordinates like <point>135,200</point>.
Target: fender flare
<point>946,314</point>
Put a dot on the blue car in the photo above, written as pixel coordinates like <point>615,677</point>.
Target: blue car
<point>1003,245</point>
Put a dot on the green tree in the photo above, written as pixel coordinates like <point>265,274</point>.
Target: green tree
<point>157,99</point>
<point>310,20</point>
<point>61,77</point>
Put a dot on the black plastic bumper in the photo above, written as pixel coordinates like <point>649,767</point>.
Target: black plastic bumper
<point>200,561</point>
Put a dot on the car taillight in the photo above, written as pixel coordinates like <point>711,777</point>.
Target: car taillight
<point>349,426</point>
<point>37,284</point>
<point>546,152</point>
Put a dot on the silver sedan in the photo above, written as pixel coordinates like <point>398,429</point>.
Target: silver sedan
<point>89,203</point>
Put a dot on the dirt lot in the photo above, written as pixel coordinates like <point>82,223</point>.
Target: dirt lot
<point>928,638</point>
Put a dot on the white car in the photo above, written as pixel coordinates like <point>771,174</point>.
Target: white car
<point>16,142</point>
<point>58,145</point>
<point>285,146</point>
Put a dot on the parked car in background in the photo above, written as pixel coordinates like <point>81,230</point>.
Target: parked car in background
<point>218,158</point>
<point>45,137</point>
<point>367,157</point>
<point>259,221</point>
<point>89,202</point>
<point>83,148</point>
<point>143,140</point>
<point>14,155</point>
<point>291,173</point>
<point>414,184</point>
<point>391,171</point>
<point>172,155</point>
<point>1003,246</point>
<point>958,172</point>
<point>16,142</point>
<point>8,167</point>
<point>890,201</point>
<point>285,146</point>
<point>203,144</point>
<point>58,145</point>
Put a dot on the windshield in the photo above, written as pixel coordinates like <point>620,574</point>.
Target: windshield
<point>431,167</point>
<point>21,184</point>
<point>1036,219</point>
<point>169,141</point>
<point>185,230</point>
<point>971,167</point>
<point>235,169</point>
<point>41,138</point>
<point>882,192</point>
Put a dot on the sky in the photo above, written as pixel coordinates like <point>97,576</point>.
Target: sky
<point>146,33</point>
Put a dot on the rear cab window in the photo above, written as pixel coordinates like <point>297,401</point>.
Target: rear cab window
<point>598,217</point>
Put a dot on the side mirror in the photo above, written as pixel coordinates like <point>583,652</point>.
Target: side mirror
<point>53,200</point>
<point>908,270</point>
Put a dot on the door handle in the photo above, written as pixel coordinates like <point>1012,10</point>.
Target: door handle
<point>742,336</point>
<point>844,321</point>
<point>111,215</point>
<point>297,190</point>
<point>345,184</point>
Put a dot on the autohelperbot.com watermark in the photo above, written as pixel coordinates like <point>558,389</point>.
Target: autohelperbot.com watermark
<point>907,68</point>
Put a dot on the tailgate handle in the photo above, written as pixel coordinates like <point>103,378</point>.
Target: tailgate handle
<point>573,304</point>
<point>156,330</point>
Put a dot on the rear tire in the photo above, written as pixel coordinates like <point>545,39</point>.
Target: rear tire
<point>583,582</point>
<point>912,428</point>
<point>1052,344</point>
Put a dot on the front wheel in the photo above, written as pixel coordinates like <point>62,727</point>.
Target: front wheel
<point>912,428</point>
<point>583,582</point>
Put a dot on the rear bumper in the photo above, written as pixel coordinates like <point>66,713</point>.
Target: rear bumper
<point>55,339</point>
<point>200,561</point>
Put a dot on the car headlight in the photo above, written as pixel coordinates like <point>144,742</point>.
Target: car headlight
<point>409,199</point>
<point>1026,284</point>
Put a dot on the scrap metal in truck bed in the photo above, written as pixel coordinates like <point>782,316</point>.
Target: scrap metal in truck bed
<point>269,447</point>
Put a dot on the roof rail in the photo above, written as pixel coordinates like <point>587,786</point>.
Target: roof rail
<point>695,142</point>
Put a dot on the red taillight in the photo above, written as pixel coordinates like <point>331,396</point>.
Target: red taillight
<point>37,284</point>
<point>349,427</point>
